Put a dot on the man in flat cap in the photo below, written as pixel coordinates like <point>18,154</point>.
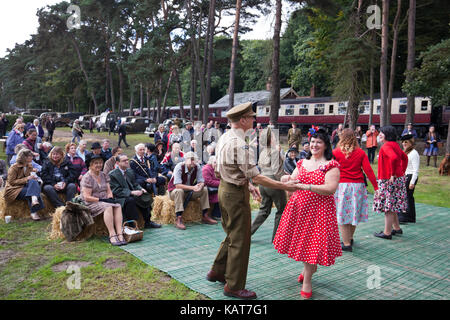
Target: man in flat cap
<point>236,177</point>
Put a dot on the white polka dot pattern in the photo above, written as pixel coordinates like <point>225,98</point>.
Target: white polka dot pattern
<point>308,229</point>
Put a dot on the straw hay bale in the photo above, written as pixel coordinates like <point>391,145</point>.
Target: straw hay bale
<point>19,210</point>
<point>97,229</point>
<point>164,210</point>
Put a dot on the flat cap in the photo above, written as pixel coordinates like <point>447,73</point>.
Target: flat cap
<point>241,110</point>
<point>96,145</point>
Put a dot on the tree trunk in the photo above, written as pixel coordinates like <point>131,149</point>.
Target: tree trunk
<point>410,111</point>
<point>234,54</point>
<point>383,64</point>
<point>371,93</point>
<point>212,13</point>
<point>147,95</point>
<point>119,67</point>
<point>141,100</point>
<point>396,28</point>
<point>90,89</point>
<point>166,93</point>
<point>193,88</point>
<point>275,90</point>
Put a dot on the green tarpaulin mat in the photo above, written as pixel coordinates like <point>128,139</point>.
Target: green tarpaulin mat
<point>415,265</point>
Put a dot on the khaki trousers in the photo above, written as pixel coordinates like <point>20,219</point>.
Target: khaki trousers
<point>269,196</point>
<point>233,255</point>
<point>178,196</point>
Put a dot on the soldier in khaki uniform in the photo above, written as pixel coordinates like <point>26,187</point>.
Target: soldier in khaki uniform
<point>271,163</point>
<point>235,170</point>
<point>294,136</point>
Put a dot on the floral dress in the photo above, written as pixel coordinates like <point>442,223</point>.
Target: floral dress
<point>308,229</point>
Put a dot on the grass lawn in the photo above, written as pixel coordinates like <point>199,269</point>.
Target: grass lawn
<point>32,267</point>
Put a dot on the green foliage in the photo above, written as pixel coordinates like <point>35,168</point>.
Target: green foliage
<point>432,78</point>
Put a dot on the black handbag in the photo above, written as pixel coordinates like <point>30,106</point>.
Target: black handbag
<point>213,190</point>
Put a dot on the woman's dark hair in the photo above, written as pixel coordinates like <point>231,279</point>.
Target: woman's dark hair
<point>390,134</point>
<point>322,135</point>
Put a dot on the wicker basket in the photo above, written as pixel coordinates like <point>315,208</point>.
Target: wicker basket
<point>137,236</point>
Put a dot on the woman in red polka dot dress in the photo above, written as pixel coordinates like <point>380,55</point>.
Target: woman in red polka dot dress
<point>308,229</point>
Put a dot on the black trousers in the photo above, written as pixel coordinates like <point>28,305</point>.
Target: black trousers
<point>410,214</point>
<point>371,153</point>
<point>124,139</point>
<point>130,211</point>
<point>50,136</point>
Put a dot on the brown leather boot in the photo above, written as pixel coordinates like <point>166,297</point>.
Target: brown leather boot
<point>207,219</point>
<point>179,223</point>
<point>241,294</point>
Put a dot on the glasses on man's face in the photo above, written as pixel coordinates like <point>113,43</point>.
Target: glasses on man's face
<point>125,160</point>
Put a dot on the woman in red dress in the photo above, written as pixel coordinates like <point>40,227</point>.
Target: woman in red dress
<point>308,229</point>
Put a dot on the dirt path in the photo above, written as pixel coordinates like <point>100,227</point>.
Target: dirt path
<point>66,136</point>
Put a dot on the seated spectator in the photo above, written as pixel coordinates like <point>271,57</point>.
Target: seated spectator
<point>78,165</point>
<point>305,151</point>
<point>156,167</point>
<point>210,151</point>
<point>175,137</point>
<point>22,183</point>
<point>58,176</point>
<point>17,149</point>
<point>37,126</point>
<point>96,149</point>
<point>290,163</point>
<point>106,150</point>
<point>43,151</point>
<point>110,164</point>
<point>30,142</point>
<point>162,135</point>
<point>14,138</point>
<point>171,159</point>
<point>130,194</point>
<point>187,181</point>
<point>146,176</point>
<point>81,150</point>
<point>160,151</point>
<point>3,173</point>
<point>194,146</point>
<point>212,183</point>
<point>97,194</point>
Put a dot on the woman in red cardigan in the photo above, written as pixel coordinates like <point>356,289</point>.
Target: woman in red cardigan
<point>390,199</point>
<point>212,182</point>
<point>351,196</point>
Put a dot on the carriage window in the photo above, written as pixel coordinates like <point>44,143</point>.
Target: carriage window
<point>378,109</point>
<point>304,109</point>
<point>342,109</point>
<point>402,108</point>
<point>290,110</point>
<point>267,110</point>
<point>261,111</point>
<point>424,105</point>
<point>364,107</point>
<point>331,108</point>
<point>319,108</point>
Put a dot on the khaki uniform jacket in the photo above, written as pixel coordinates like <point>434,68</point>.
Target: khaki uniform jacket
<point>294,136</point>
<point>236,161</point>
<point>17,179</point>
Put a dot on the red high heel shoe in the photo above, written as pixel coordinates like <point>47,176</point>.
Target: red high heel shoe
<point>300,278</point>
<point>306,295</point>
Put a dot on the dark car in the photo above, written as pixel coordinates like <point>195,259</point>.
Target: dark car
<point>136,124</point>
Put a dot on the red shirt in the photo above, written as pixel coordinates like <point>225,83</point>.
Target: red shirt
<point>352,167</point>
<point>392,161</point>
